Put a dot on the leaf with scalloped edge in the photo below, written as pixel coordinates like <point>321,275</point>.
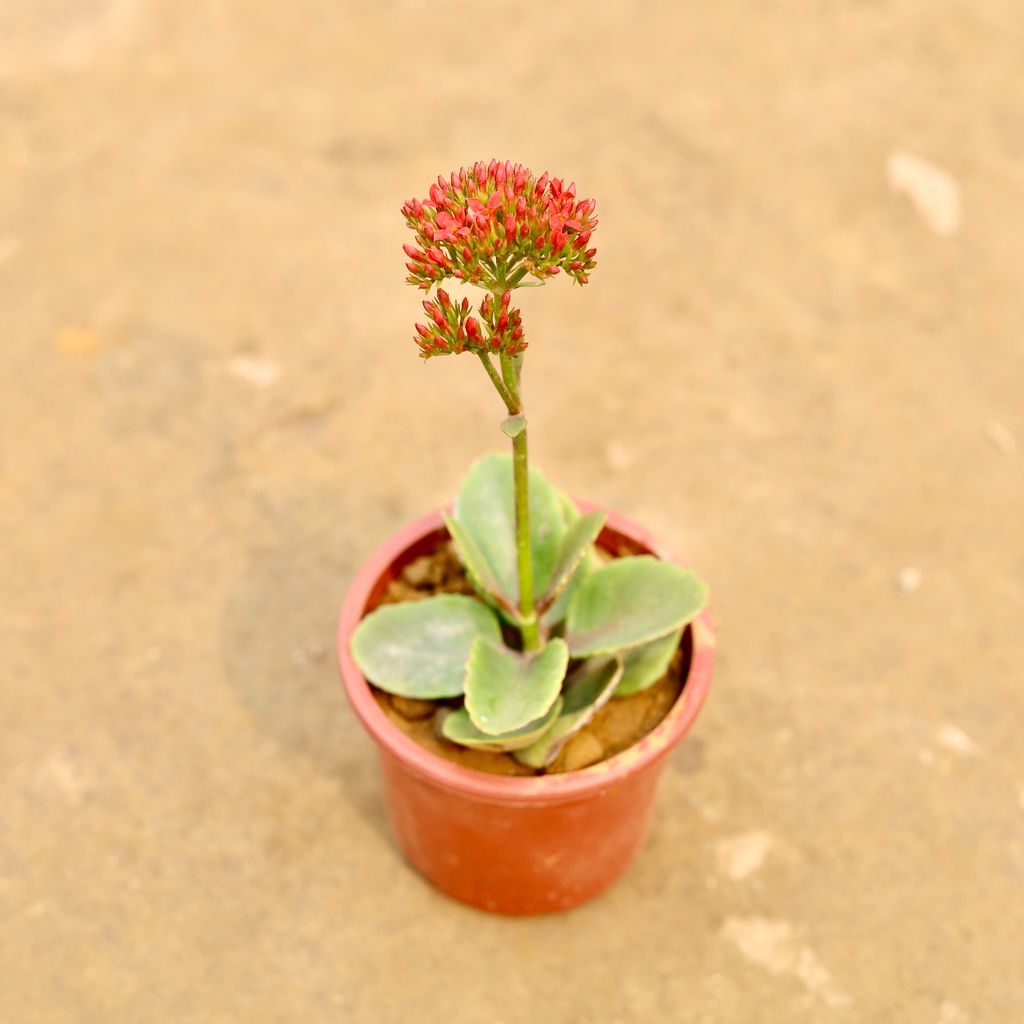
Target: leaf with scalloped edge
<point>505,690</point>
<point>420,648</point>
<point>587,689</point>
<point>570,513</point>
<point>477,567</point>
<point>576,544</point>
<point>485,508</point>
<point>630,602</point>
<point>554,617</point>
<point>459,728</point>
<point>646,664</point>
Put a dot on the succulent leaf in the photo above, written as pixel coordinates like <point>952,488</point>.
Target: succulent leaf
<point>459,728</point>
<point>630,602</point>
<point>587,689</point>
<point>420,648</point>
<point>576,543</point>
<point>485,508</point>
<point>506,690</point>
<point>646,664</point>
<point>570,513</point>
<point>555,615</point>
<point>513,426</point>
<point>477,567</point>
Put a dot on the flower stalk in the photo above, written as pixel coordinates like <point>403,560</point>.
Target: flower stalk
<point>528,625</point>
<point>493,226</point>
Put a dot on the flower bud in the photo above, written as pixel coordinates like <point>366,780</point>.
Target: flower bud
<point>472,327</point>
<point>443,298</point>
<point>502,321</point>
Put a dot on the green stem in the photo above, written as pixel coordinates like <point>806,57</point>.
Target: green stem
<point>529,627</point>
<point>496,381</point>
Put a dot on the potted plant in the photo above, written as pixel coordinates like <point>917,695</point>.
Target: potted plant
<point>523,662</point>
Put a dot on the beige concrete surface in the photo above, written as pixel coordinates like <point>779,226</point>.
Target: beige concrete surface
<point>801,360</point>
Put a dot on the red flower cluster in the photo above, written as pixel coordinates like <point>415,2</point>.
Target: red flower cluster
<point>493,224</point>
<point>452,330</point>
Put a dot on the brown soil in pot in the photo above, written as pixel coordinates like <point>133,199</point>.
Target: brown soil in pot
<point>622,722</point>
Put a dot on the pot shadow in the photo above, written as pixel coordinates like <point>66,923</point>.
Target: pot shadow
<point>277,639</point>
<point>689,757</point>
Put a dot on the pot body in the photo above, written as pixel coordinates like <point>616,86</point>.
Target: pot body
<point>519,858</point>
<point>517,845</point>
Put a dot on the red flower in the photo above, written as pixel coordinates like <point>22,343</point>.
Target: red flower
<point>493,225</point>
<point>454,330</point>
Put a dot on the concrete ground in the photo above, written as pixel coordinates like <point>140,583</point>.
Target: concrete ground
<point>800,360</point>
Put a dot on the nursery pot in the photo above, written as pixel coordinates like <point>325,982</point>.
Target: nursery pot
<point>513,844</point>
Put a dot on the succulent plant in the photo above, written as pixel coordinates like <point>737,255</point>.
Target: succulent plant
<point>582,632</point>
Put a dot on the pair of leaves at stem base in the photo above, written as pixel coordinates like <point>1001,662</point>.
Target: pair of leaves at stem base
<point>620,623</point>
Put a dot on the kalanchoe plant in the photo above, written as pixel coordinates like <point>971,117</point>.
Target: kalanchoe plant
<point>587,631</point>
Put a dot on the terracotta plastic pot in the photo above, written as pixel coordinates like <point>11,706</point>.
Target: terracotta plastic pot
<point>512,844</point>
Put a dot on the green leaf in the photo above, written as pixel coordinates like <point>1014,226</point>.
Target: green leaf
<point>420,648</point>
<point>570,513</point>
<point>459,728</point>
<point>485,508</point>
<point>587,689</point>
<point>555,615</point>
<point>576,543</point>
<point>647,663</point>
<point>629,602</point>
<point>513,426</point>
<point>505,690</point>
<point>475,563</point>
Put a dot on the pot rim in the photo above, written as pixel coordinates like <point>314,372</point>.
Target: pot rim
<point>517,789</point>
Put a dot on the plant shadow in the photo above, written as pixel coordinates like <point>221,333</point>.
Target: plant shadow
<point>277,640</point>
